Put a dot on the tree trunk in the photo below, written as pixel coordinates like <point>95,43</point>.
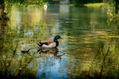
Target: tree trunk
<point>116,6</point>
<point>1,9</point>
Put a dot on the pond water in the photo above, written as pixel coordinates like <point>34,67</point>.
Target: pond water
<point>89,47</point>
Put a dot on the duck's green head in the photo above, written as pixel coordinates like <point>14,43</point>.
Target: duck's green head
<point>56,37</point>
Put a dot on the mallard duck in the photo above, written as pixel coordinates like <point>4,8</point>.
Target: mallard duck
<point>50,43</point>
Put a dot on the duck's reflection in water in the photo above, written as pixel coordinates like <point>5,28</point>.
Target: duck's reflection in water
<point>52,51</point>
<point>52,64</point>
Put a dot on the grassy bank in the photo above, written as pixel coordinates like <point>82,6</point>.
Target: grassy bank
<point>96,4</point>
<point>90,5</point>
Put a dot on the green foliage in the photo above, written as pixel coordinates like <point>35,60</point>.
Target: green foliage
<point>26,1</point>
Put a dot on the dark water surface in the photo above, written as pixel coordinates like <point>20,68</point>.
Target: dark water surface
<point>88,37</point>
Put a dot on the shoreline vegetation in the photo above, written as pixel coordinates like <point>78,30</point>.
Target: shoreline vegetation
<point>89,5</point>
<point>96,4</point>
